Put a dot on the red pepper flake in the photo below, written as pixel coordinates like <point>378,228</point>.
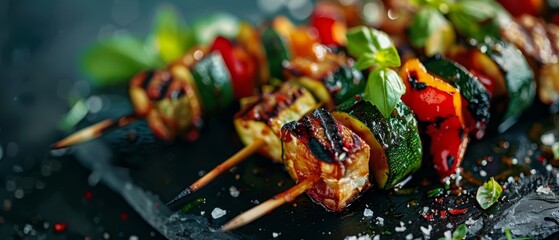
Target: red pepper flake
<point>443,214</point>
<point>454,211</point>
<point>428,217</point>
<point>59,227</point>
<point>123,216</point>
<point>88,195</point>
<point>541,158</point>
<point>439,200</point>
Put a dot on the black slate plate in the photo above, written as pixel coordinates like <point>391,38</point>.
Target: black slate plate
<point>164,169</point>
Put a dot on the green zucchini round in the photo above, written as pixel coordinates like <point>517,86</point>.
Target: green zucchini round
<point>395,143</point>
<point>213,81</point>
<point>276,50</point>
<point>521,89</point>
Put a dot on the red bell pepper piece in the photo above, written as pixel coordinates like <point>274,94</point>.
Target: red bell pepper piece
<point>438,107</point>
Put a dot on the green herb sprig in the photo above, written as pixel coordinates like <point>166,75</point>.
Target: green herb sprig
<point>476,19</point>
<point>459,233</point>
<point>489,193</point>
<point>374,49</point>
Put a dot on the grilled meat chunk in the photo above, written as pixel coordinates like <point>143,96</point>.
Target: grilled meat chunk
<point>264,118</point>
<point>539,41</point>
<point>318,145</point>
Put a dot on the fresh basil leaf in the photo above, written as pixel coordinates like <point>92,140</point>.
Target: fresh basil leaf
<point>359,41</point>
<point>205,29</point>
<point>116,59</point>
<point>387,57</point>
<point>365,61</point>
<point>476,18</point>
<point>372,48</point>
<point>460,232</point>
<point>488,194</point>
<point>384,89</point>
<point>431,30</point>
<point>171,38</point>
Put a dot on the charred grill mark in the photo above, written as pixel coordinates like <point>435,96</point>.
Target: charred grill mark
<point>413,79</point>
<point>308,129</point>
<point>269,106</point>
<point>331,130</point>
<point>148,77</point>
<point>166,82</point>
<point>176,94</point>
<point>319,150</point>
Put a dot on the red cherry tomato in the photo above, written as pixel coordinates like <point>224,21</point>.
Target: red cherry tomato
<point>240,65</point>
<point>329,22</point>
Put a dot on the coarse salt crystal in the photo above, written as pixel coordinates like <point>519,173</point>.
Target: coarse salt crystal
<point>544,190</point>
<point>218,212</point>
<point>409,236</point>
<point>470,221</point>
<point>275,234</point>
<point>233,191</point>
<point>401,228</point>
<point>380,221</point>
<point>368,212</point>
<point>426,230</point>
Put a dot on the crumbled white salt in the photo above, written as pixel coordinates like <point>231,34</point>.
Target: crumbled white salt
<point>470,221</point>
<point>133,237</point>
<point>275,234</point>
<point>358,237</point>
<point>544,190</point>
<point>234,191</point>
<point>426,230</point>
<point>409,236</point>
<point>380,221</point>
<point>202,213</point>
<point>218,212</point>
<point>368,212</point>
<point>401,228</point>
<point>448,235</point>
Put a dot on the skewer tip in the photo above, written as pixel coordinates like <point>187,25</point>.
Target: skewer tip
<point>181,195</point>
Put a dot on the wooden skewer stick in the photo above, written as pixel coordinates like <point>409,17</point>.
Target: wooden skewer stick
<point>270,204</point>
<point>94,131</point>
<point>229,163</point>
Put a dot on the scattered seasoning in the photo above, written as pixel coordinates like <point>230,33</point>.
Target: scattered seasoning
<point>455,211</point>
<point>123,216</point>
<point>380,221</point>
<point>409,236</point>
<point>437,192</point>
<point>186,208</point>
<point>59,227</point>
<point>544,190</point>
<point>426,230</point>
<point>218,212</point>
<point>401,228</point>
<point>470,221</point>
<point>275,234</point>
<point>368,212</point>
<point>234,191</point>
<point>443,214</point>
<point>88,195</point>
<point>459,233</point>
